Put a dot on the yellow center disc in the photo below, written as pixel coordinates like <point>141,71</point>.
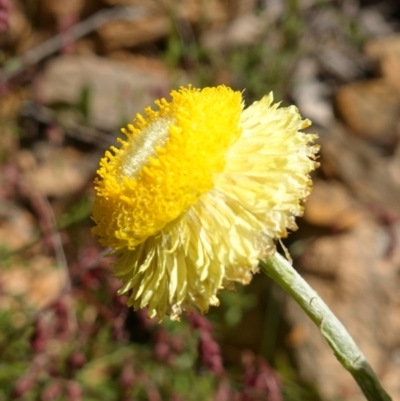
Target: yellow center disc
<point>167,162</point>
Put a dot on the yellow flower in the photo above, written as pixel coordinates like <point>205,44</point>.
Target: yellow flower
<point>198,193</point>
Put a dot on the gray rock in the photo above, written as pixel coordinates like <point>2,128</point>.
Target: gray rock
<point>115,92</point>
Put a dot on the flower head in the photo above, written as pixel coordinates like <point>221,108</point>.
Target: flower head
<point>198,193</point>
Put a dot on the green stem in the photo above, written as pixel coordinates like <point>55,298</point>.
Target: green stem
<point>342,344</point>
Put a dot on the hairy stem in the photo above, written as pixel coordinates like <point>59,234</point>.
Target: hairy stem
<point>342,344</point>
